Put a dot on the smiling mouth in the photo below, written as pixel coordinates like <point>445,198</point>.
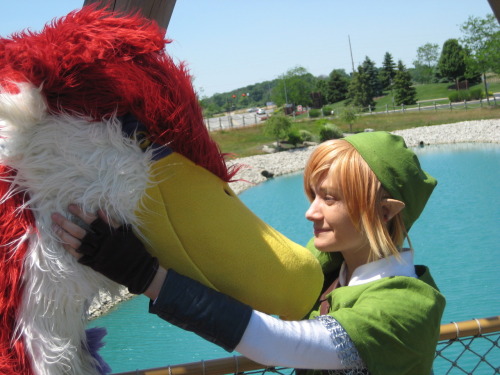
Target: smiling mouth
<point>318,231</point>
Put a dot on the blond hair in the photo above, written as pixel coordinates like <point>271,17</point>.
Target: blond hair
<point>362,191</point>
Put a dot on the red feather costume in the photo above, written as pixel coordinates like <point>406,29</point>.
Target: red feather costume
<point>93,64</point>
<point>62,91</point>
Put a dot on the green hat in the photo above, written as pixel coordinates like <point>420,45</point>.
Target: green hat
<point>398,170</point>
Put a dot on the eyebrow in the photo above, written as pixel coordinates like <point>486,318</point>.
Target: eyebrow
<point>328,190</point>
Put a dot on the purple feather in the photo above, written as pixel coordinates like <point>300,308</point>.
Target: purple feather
<point>94,343</point>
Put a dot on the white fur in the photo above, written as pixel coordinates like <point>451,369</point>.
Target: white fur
<point>60,160</point>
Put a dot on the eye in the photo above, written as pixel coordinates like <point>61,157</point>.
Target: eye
<point>329,198</point>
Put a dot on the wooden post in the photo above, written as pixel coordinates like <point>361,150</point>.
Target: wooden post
<point>157,10</point>
<point>495,7</point>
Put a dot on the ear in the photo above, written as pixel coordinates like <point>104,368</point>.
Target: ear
<point>390,208</point>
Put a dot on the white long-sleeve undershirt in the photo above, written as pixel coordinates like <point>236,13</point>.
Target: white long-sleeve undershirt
<point>301,344</point>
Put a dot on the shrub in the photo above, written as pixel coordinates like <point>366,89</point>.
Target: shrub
<point>327,110</point>
<point>477,94</point>
<point>454,96</point>
<point>305,135</point>
<point>461,95</point>
<point>314,113</point>
<point>294,137</point>
<point>330,131</point>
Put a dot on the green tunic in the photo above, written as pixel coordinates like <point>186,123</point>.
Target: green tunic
<point>394,322</point>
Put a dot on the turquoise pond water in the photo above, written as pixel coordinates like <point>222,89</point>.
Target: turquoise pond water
<point>457,236</point>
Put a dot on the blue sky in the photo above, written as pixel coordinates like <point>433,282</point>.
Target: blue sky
<point>230,44</point>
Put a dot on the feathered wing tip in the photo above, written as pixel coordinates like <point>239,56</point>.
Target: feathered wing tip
<point>94,343</point>
<point>96,64</point>
<point>14,225</point>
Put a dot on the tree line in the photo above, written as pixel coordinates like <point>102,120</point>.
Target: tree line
<point>460,62</point>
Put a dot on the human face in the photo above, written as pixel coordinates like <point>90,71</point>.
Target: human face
<point>333,229</point>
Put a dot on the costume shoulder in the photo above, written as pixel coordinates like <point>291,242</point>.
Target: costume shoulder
<point>394,322</point>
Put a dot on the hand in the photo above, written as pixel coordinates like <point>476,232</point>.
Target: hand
<point>71,234</point>
<point>108,249</point>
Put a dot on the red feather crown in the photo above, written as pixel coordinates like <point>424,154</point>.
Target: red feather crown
<point>97,64</point>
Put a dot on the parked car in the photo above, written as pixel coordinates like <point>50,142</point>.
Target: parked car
<point>261,111</point>
<point>250,110</point>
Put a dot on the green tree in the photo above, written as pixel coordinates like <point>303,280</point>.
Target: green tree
<point>209,107</point>
<point>404,92</point>
<point>361,91</point>
<point>294,87</point>
<point>452,61</point>
<point>482,41</point>
<point>349,114</point>
<point>278,126</point>
<point>425,64</point>
<point>337,86</point>
<point>322,86</point>
<point>373,76</point>
<point>472,70</point>
<point>387,72</point>
<point>318,96</point>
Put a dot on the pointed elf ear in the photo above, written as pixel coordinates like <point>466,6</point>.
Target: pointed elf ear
<point>390,208</point>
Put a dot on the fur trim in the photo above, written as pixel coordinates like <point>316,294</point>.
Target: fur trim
<point>66,159</point>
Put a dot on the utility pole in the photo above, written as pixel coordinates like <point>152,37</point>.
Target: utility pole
<point>157,10</point>
<point>350,49</point>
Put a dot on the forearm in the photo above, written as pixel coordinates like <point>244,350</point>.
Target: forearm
<point>155,287</point>
<point>258,336</point>
<point>306,344</point>
<point>192,306</point>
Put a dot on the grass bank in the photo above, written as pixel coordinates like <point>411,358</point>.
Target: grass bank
<point>249,141</point>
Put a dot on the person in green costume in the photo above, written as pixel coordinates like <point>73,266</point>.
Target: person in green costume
<point>378,312</point>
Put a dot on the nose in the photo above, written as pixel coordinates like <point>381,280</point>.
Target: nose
<point>314,212</point>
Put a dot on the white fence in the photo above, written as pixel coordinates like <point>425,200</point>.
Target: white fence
<point>237,120</point>
<point>436,105</point>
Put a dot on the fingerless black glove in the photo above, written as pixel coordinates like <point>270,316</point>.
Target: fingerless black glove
<point>119,255</point>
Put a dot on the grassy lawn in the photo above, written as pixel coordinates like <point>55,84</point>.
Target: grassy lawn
<point>244,141</point>
<point>430,93</point>
<point>250,140</point>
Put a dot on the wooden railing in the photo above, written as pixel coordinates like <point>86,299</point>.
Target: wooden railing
<point>484,328</point>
